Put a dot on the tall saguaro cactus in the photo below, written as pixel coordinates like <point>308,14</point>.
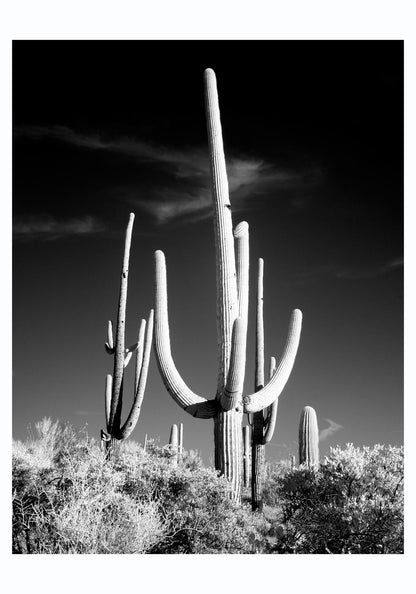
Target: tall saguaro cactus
<point>308,438</point>
<point>114,383</point>
<point>232,266</point>
<point>263,421</point>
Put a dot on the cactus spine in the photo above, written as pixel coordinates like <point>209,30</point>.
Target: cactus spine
<point>115,431</point>
<point>308,438</point>
<point>232,267</point>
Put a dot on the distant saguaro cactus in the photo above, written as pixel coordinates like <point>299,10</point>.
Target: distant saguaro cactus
<point>173,444</point>
<point>180,446</point>
<point>308,438</point>
<point>114,383</point>
<point>228,406</point>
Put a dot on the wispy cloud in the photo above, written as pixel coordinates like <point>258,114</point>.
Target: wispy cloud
<point>49,229</point>
<point>356,273</point>
<point>333,428</point>
<point>313,273</point>
<point>187,195</point>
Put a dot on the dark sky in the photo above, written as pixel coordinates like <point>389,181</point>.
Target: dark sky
<point>313,135</point>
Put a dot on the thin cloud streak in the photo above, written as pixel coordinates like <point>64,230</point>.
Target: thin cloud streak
<point>49,229</point>
<point>333,428</point>
<point>251,180</point>
<point>350,273</point>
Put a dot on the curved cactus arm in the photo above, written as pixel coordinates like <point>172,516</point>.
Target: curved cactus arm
<point>134,414</point>
<point>127,358</point>
<point>108,388</point>
<point>227,303</point>
<point>132,348</point>
<point>119,358</point>
<point>139,355</point>
<point>174,383</point>
<point>270,422</point>
<point>234,386</point>
<point>264,397</point>
<point>203,410</point>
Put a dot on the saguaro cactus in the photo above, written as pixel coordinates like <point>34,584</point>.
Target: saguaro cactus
<point>308,438</point>
<point>263,421</point>
<point>173,444</point>
<point>114,383</point>
<point>228,406</point>
<point>180,446</point>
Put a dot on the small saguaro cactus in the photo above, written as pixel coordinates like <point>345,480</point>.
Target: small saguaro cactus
<point>264,421</point>
<point>308,438</point>
<point>173,444</point>
<point>180,446</point>
<point>122,355</point>
<point>232,265</point>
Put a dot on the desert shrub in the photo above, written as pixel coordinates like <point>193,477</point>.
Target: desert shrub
<point>193,503</point>
<point>68,498</point>
<point>352,504</point>
<point>71,501</point>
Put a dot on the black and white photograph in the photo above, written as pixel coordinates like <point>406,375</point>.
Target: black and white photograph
<point>208,300</point>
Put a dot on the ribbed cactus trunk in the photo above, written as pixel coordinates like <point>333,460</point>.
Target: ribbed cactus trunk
<point>247,448</point>
<point>232,270</point>
<point>263,424</point>
<point>227,423</point>
<point>308,438</point>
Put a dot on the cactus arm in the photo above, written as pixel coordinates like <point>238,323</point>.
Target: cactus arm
<point>109,346</point>
<point>108,388</point>
<point>182,395</point>
<point>139,355</point>
<point>241,236</point>
<point>227,305</point>
<point>134,414</point>
<point>231,396</point>
<point>270,422</point>
<point>259,368</point>
<point>110,334</point>
<point>120,329</point>
<point>127,358</point>
<point>242,256</point>
<point>264,397</point>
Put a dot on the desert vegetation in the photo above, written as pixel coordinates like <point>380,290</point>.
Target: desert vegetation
<point>68,497</point>
<point>73,493</point>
